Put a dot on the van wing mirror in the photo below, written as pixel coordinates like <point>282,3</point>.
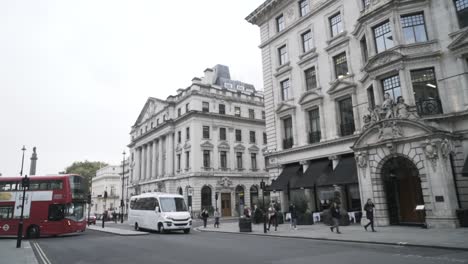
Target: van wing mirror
<point>157,209</point>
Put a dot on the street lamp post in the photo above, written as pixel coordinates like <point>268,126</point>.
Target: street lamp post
<point>24,185</point>
<point>263,187</point>
<point>122,194</point>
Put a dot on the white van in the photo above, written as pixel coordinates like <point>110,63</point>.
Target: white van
<point>159,211</point>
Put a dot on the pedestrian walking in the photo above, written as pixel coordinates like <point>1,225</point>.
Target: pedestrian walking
<point>114,216</point>
<point>204,216</point>
<point>335,214</point>
<point>293,214</point>
<point>272,217</point>
<point>217,215</point>
<point>369,208</point>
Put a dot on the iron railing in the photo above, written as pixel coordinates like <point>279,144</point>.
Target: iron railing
<point>288,143</point>
<point>314,136</point>
<point>347,129</point>
<point>427,107</point>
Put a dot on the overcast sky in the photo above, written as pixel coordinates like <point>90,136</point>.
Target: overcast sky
<point>74,75</point>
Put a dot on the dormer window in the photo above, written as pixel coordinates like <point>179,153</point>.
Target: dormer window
<point>240,87</point>
<point>280,23</point>
<point>304,7</point>
<point>228,85</point>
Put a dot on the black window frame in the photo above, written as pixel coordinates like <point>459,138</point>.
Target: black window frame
<point>206,158</point>
<point>223,159</point>
<point>238,135</point>
<point>187,133</point>
<point>336,24</point>
<point>461,8</point>
<point>381,31</point>
<point>304,7</point>
<point>412,21</point>
<point>222,109</point>
<point>285,89</point>
<point>205,107</point>
<point>252,137</point>
<point>179,136</point>
<point>265,139</point>
<point>307,42</point>
<point>390,85</point>
<point>283,57</point>
<point>239,159</point>
<point>345,108</point>
<point>310,75</point>
<point>206,132</point>
<point>251,113</point>
<point>179,112</point>
<point>237,111</point>
<point>314,125</point>
<point>280,23</point>
<point>253,161</point>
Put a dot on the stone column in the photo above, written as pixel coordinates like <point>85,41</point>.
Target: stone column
<point>154,171</point>
<point>323,126</point>
<point>136,174</point>
<point>231,153</point>
<point>170,154</point>
<point>149,160</point>
<point>160,156</point>
<point>406,90</point>
<point>378,93</point>
<point>357,119</point>
<point>164,156</point>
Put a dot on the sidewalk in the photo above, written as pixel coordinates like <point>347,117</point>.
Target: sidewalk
<point>117,230</point>
<point>389,235</point>
<point>10,254</point>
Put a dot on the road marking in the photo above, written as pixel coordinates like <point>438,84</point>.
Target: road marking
<point>432,258</point>
<point>41,253</point>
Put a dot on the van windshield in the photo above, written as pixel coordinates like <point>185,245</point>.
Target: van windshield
<point>169,204</point>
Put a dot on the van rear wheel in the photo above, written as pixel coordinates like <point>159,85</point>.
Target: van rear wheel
<point>137,228</point>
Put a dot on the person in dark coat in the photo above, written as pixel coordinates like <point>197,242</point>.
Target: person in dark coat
<point>335,214</point>
<point>293,212</point>
<point>369,208</point>
<point>204,216</point>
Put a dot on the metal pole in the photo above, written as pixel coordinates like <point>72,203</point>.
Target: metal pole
<point>262,185</point>
<point>20,227</point>
<point>122,194</point>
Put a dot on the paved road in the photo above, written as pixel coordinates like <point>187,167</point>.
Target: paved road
<point>207,247</point>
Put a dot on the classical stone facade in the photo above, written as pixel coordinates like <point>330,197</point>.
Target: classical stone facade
<point>385,81</point>
<point>108,179</point>
<point>205,142</point>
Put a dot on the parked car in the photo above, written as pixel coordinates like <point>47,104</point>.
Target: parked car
<point>92,220</point>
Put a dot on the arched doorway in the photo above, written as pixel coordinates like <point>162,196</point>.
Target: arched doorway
<point>179,191</point>
<point>240,199</point>
<point>403,191</point>
<point>206,198</point>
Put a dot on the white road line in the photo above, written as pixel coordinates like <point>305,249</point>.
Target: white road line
<point>41,253</point>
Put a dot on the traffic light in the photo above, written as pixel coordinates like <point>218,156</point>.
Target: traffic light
<point>88,200</point>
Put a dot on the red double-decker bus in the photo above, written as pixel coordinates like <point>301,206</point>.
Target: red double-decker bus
<point>54,205</point>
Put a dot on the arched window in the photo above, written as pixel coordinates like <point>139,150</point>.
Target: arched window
<point>206,197</point>
<point>253,196</point>
<point>179,191</point>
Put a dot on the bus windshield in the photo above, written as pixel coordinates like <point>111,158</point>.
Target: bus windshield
<point>75,211</point>
<point>78,187</point>
<point>170,204</point>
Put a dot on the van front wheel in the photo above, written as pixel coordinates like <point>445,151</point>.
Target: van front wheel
<point>137,228</point>
<point>161,228</point>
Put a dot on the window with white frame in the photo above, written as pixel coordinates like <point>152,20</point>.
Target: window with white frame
<point>414,28</point>
<point>310,78</point>
<point>280,23</point>
<point>307,41</point>
<point>283,55</point>
<point>341,65</point>
<point>285,87</point>
<point>336,24</point>
<point>304,7</point>
<point>383,36</point>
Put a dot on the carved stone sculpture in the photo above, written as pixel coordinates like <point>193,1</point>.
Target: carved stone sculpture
<point>361,159</point>
<point>445,148</point>
<point>430,151</point>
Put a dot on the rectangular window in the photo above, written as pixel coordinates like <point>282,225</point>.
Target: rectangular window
<point>391,85</point>
<point>304,7</point>
<point>371,97</point>
<point>222,109</point>
<point>251,114</point>
<point>288,136</point>
<point>336,25</point>
<point>310,78</point>
<point>222,133</point>
<point>461,6</point>
<point>187,160</point>
<point>383,36</point>
<point>365,3</point>
<point>426,93</point>
<point>187,133</point>
<point>341,65</point>
<point>179,112</point>
<point>307,41</point>
<point>264,138</point>
<point>206,132</point>
<point>179,136</point>
<point>157,122</point>
<point>178,162</point>
<point>186,108</point>
<point>237,111</point>
<point>314,126</point>
<point>280,23</point>
<point>223,159</point>
<point>205,107</point>
<point>6,212</point>
<point>285,90</point>
<point>414,28</point>
<point>364,50</point>
<point>239,160</point>
<point>206,158</point>
<point>238,135</point>
<point>253,161</point>
<point>283,55</point>
<point>346,117</point>
<point>263,115</point>
<point>252,137</point>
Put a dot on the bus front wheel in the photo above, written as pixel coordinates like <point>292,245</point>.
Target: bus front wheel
<point>33,232</point>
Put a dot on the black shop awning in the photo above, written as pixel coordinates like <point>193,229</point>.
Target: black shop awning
<point>344,173</point>
<point>465,168</point>
<point>289,175</point>
<point>316,169</point>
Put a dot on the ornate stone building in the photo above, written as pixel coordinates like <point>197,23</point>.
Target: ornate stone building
<point>206,142</point>
<point>372,96</point>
